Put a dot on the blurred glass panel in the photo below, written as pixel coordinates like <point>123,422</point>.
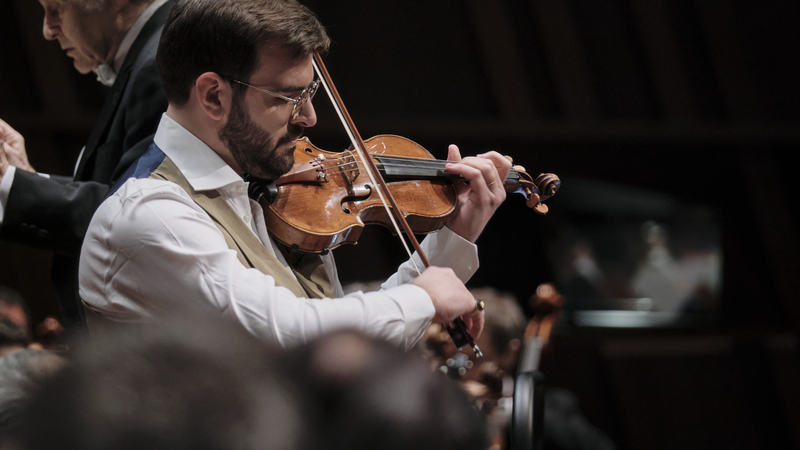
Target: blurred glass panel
<point>626,257</point>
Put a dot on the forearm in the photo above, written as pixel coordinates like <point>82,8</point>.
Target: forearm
<point>47,214</point>
<point>443,249</point>
<point>399,315</point>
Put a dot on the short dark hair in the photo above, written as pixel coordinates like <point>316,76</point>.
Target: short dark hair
<point>224,36</point>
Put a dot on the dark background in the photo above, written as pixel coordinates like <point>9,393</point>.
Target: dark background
<point>694,99</point>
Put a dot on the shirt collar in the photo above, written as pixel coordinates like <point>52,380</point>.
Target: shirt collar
<point>202,167</point>
<point>107,74</point>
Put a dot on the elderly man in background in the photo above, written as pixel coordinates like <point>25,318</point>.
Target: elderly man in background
<point>116,39</point>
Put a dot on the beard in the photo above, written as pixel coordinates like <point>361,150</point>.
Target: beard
<point>256,150</point>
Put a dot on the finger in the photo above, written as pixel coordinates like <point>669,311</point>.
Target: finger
<point>474,324</point>
<point>4,128</point>
<point>453,153</point>
<point>500,162</point>
<point>465,166</point>
<point>481,174</point>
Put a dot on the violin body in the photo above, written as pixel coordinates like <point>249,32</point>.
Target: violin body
<point>328,197</point>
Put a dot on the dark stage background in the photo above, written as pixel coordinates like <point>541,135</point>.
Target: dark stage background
<point>693,102</point>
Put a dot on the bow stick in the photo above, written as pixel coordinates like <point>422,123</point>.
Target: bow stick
<point>458,333</point>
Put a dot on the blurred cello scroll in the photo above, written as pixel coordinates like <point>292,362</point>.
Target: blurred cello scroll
<point>547,304</point>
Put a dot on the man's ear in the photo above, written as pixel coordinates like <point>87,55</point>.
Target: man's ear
<point>214,95</point>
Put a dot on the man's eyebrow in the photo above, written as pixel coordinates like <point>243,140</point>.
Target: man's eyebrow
<point>290,89</point>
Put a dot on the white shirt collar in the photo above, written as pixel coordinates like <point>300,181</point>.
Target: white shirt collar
<point>202,167</point>
<point>107,74</point>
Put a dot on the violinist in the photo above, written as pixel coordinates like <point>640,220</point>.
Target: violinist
<point>179,231</point>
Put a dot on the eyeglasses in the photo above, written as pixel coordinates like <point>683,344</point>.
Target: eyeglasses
<point>298,102</point>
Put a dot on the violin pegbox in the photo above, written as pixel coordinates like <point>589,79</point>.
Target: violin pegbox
<point>545,186</point>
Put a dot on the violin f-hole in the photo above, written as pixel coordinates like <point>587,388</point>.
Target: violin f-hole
<point>360,193</point>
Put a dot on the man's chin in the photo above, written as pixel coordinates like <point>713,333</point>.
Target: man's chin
<point>276,168</point>
<point>285,167</point>
<point>83,68</point>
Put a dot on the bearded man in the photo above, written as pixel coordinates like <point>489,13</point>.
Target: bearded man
<point>116,39</point>
<point>181,232</point>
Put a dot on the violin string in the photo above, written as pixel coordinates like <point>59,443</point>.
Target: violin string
<point>399,161</point>
<point>344,169</point>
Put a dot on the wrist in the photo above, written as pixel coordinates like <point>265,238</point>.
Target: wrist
<point>468,235</point>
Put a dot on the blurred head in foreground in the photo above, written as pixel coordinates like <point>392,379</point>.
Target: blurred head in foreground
<point>370,395</point>
<point>191,385</point>
<point>21,373</point>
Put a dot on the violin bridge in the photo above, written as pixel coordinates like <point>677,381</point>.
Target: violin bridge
<point>349,167</point>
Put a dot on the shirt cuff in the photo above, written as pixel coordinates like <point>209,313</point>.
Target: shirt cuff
<point>406,312</point>
<point>446,248</point>
<point>5,188</point>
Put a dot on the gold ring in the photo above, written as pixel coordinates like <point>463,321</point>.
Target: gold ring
<point>493,182</point>
<point>480,306</point>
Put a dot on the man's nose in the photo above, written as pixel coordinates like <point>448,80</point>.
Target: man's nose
<point>307,116</point>
<point>51,28</point>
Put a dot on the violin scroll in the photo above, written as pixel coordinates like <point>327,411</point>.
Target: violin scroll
<point>536,191</point>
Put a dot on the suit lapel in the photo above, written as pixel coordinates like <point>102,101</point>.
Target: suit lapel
<point>107,113</point>
<point>100,128</point>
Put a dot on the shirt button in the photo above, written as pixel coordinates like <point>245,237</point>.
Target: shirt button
<point>246,218</point>
<point>240,188</point>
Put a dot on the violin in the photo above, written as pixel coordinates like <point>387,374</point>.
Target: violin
<point>327,198</point>
<point>319,228</point>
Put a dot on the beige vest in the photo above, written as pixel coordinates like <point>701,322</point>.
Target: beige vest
<point>310,279</point>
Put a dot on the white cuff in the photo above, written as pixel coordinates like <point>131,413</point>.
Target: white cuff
<point>5,188</point>
<point>446,248</point>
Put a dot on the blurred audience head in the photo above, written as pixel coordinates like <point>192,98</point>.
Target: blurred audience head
<point>21,373</point>
<point>189,384</point>
<point>12,337</point>
<point>369,394</point>
<point>15,329</point>
<point>504,328</point>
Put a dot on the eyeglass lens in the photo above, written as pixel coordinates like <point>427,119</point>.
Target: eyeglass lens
<point>306,95</point>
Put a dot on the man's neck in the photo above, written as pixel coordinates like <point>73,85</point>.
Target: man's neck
<point>203,128</point>
<point>123,22</point>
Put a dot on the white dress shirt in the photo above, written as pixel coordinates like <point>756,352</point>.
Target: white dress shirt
<point>150,250</point>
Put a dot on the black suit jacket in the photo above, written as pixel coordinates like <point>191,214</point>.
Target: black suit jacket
<point>53,214</point>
